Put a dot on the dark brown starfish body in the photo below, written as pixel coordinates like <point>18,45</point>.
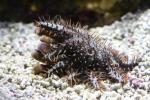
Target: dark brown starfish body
<point>70,50</point>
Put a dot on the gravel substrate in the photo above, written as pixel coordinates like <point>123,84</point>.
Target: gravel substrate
<point>131,35</point>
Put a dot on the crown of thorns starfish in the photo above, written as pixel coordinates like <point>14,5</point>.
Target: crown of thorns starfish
<point>71,51</point>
